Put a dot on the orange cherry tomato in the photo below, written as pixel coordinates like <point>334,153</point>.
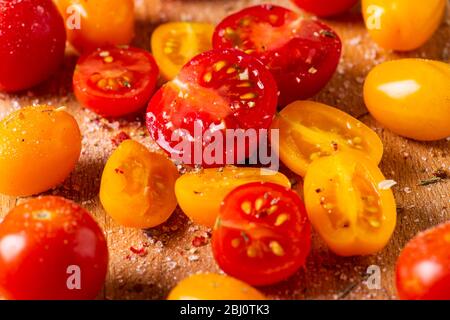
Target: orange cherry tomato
<point>411,97</point>
<point>175,43</point>
<point>310,130</point>
<point>348,204</point>
<point>402,25</point>
<point>137,187</point>
<point>98,23</point>
<point>211,286</point>
<point>39,147</point>
<point>200,194</point>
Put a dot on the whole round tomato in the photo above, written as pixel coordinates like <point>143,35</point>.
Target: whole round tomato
<point>423,267</point>
<point>211,286</point>
<point>325,8</point>
<point>262,234</point>
<point>216,91</point>
<point>115,81</point>
<point>32,43</point>
<point>93,24</point>
<point>51,248</point>
<point>302,54</point>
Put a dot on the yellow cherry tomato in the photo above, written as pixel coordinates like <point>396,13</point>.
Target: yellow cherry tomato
<point>137,187</point>
<point>349,203</point>
<point>402,25</point>
<point>174,44</point>
<point>39,147</point>
<point>310,130</point>
<point>98,23</point>
<point>200,194</point>
<point>411,97</point>
<point>211,286</point>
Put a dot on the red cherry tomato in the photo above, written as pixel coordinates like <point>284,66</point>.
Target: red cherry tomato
<point>50,248</point>
<point>423,268</point>
<point>262,235</point>
<point>302,54</point>
<point>115,81</point>
<point>215,91</point>
<point>325,8</point>
<point>32,43</point>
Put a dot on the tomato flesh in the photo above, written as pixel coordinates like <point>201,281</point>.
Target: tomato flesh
<point>115,81</point>
<point>215,91</point>
<point>325,8</point>
<point>262,234</point>
<point>45,241</point>
<point>32,43</point>
<point>302,54</point>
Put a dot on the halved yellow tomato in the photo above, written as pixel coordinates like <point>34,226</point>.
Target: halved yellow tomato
<point>174,44</point>
<point>200,194</point>
<point>310,130</point>
<point>348,203</point>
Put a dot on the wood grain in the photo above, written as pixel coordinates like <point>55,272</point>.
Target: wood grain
<point>170,255</point>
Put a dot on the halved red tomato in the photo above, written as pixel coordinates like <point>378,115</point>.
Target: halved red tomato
<point>115,81</point>
<point>262,235</point>
<point>301,53</point>
<point>216,91</point>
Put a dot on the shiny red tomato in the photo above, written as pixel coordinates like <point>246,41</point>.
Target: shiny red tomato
<point>115,81</point>
<point>32,43</point>
<point>217,90</point>
<point>423,268</point>
<point>302,54</point>
<point>325,8</point>
<point>50,248</point>
<point>262,235</point>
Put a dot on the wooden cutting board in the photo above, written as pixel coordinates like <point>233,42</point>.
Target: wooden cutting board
<point>147,264</point>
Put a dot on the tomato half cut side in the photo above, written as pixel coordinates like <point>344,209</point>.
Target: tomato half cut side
<point>216,91</point>
<point>262,235</point>
<point>115,81</point>
<point>301,53</point>
<point>347,206</point>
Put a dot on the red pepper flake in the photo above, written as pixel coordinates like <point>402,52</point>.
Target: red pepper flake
<point>118,170</point>
<point>119,138</point>
<point>142,252</point>
<point>199,241</point>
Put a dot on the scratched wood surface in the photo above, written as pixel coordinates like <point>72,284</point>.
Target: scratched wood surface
<point>163,256</point>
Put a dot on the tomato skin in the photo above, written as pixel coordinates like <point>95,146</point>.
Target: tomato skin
<point>302,54</point>
<point>137,186</point>
<point>310,130</point>
<point>102,22</point>
<point>402,25</point>
<point>200,194</point>
<point>49,136</point>
<point>32,43</point>
<point>211,286</point>
<point>134,73</point>
<point>325,8</point>
<point>262,234</point>
<point>219,89</point>
<point>410,97</point>
<point>423,267</point>
<point>39,240</point>
<point>175,43</point>
<point>346,206</point>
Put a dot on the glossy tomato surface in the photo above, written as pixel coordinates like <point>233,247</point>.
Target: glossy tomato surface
<point>32,43</point>
<point>115,81</point>
<point>301,53</point>
<point>50,248</point>
<point>348,205</point>
<point>411,97</point>
<point>325,8</point>
<point>92,24</point>
<point>262,234</point>
<point>423,267</point>
<point>216,91</point>
<point>211,286</point>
